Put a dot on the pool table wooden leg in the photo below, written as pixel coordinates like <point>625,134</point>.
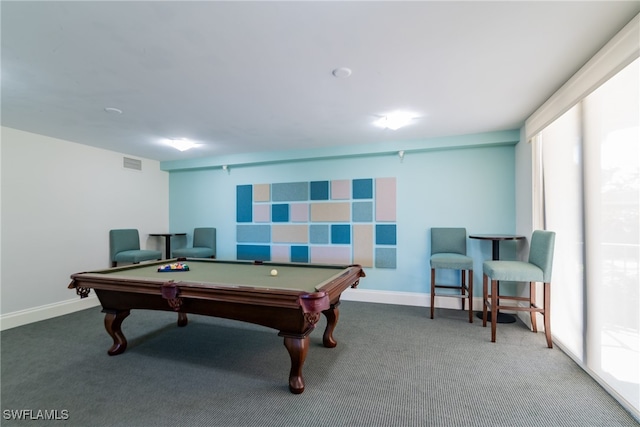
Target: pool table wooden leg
<point>332,316</point>
<point>297,347</point>
<point>182,319</point>
<point>112,323</point>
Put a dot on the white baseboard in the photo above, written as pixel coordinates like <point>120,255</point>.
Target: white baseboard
<point>404,298</point>
<point>44,312</point>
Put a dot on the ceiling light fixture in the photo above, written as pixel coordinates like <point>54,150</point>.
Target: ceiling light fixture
<point>395,120</point>
<point>181,144</point>
<point>341,73</point>
<point>113,110</point>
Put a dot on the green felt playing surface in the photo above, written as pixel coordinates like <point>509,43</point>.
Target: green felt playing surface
<point>292,277</point>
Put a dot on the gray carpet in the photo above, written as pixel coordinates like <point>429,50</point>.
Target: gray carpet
<point>393,367</point>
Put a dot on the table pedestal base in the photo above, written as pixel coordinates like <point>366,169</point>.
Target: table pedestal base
<point>495,249</point>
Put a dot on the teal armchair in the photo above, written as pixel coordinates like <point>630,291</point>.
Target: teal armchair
<point>449,252</point>
<point>537,269</point>
<point>204,245</point>
<point>124,246</point>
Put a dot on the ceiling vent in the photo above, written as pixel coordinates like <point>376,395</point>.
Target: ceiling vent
<point>134,164</point>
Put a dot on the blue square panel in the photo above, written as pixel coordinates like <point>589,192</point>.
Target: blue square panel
<point>340,234</point>
<point>385,234</point>
<point>363,188</point>
<point>290,192</point>
<point>249,233</point>
<point>319,233</point>
<point>319,190</point>
<point>299,254</point>
<point>385,258</point>
<point>362,211</point>
<point>280,213</point>
<point>253,252</point>
<point>244,203</point>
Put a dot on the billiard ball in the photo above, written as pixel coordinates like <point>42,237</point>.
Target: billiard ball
<point>274,272</point>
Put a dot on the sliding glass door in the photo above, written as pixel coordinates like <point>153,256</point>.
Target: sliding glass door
<point>589,193</point>
<point>612,158</point>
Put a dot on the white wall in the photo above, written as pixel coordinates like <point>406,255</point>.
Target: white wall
<point>524,213</point>
<point>59,200</point>
<point>524,187</point>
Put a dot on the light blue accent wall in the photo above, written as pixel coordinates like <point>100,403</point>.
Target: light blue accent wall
<point>472,186</point>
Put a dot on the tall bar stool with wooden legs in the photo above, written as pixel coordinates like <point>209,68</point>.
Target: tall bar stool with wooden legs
<point>537,269</point>
<point>449,251</point>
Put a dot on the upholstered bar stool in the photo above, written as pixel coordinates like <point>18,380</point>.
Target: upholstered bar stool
<point>449,252</point>
<point>536,269</point>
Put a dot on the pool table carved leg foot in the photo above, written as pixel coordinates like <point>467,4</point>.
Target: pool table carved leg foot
<point>332,316</point>
<point>182,319</point>
<point>112,323</point>
<point>297,348</point>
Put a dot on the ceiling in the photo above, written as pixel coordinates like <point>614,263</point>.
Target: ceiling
<point>250,77</point>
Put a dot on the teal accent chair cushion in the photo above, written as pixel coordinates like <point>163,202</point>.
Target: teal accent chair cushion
<point>124,246</point>
<point>204,244</point>
<point>451,261</point>
<point>513,271</point>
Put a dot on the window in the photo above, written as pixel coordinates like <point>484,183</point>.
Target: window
<point>588,191</point>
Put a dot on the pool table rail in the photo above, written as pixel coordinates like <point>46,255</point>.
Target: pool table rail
<point>277,297</point>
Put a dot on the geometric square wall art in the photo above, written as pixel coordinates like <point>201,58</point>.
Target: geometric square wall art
<point>321,222</point>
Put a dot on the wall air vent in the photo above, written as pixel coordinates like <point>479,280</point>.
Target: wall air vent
<point>134,164</point>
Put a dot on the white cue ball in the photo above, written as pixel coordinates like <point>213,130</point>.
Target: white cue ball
<point>274,272</point>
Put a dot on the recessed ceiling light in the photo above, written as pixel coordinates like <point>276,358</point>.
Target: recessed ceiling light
<point>395,120</point>
<point>113,110</point>
<point>342,72</point>
<point>181,144</point>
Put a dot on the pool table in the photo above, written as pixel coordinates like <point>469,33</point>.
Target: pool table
<point>290,301</point>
